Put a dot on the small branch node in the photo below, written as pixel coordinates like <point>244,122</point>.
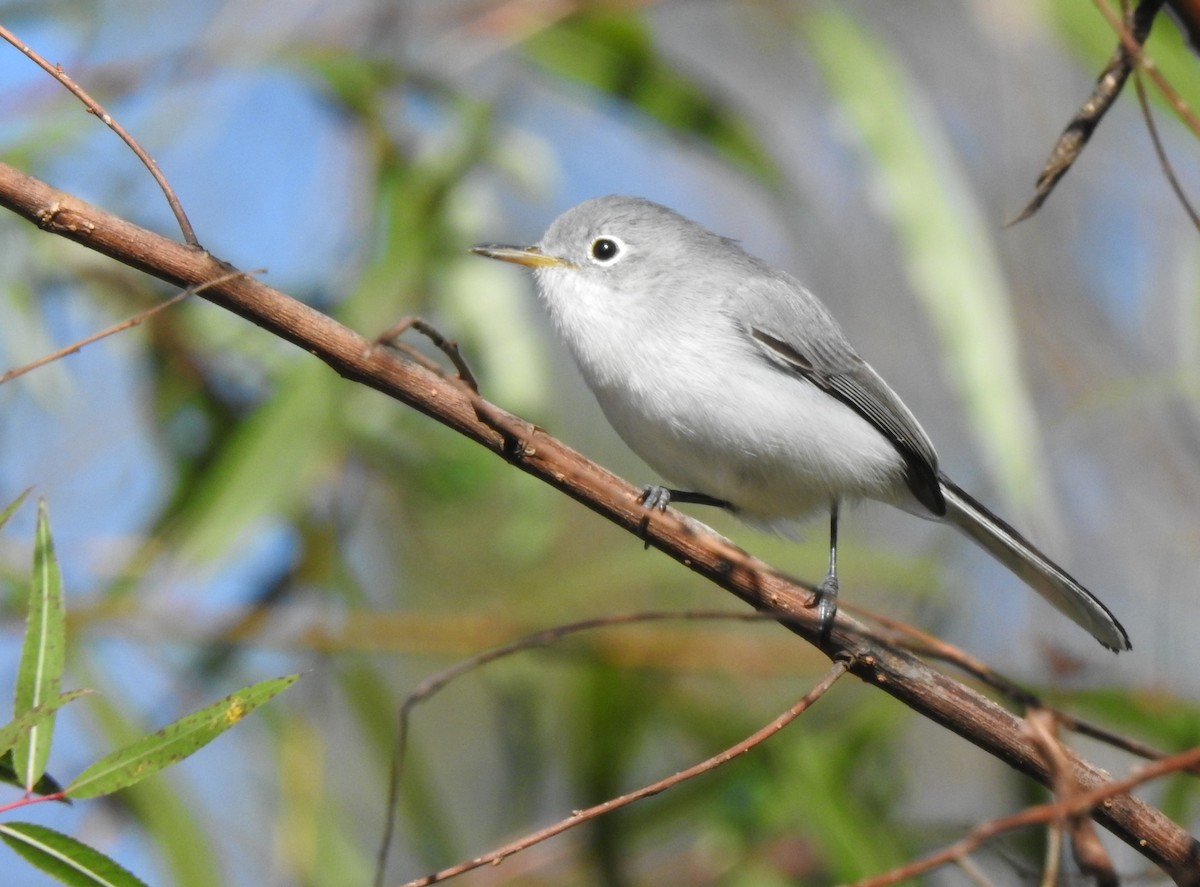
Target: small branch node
<point>389,339</point>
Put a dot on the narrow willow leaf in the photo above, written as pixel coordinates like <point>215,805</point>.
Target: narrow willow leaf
<point>11,733</point>
<point>174,742</point>
<point>65,858</point>
<point>43,653</point>
<point>11,509</point>
<point>168,815</point>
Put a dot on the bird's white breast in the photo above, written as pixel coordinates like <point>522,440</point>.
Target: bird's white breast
<point>701,406</point>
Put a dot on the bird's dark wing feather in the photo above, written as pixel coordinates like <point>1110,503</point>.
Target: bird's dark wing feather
<point>803,337</point>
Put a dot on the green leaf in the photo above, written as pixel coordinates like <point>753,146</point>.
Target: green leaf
<point>11,509</point>
<point>173,743</point>
<point>167,812</point>
<point>11,733</point>
<point>65,858</point>
<point>43,654</point>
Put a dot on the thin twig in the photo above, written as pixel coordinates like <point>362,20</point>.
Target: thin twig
<point>974,872</point>
<point>1043,813</point>
<point>1041,726</point>
<point>449,347</point>
<point>1108,86</point>
<point>1089,853</point>
<point>1053,856</point>
<point>434,684</point>
<point>133,321</point>
<point>924,644</point>
<point>1160,150</point>
<point>1132,45</point>
<point>95,108</point>
<point>498,855</point>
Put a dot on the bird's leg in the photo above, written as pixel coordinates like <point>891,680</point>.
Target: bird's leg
<point>654,496</point>
<point>827,591</point>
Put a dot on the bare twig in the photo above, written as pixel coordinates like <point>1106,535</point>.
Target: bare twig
<point>1053,855</point>
<point>1160,150</point>
<point>1075,137</point>
<point>434,684</point>
<point>1089,853</point>
<point>133,321</point>
<point>1080,803</point>
<point>498,855</point>
<point>95,108</point>
<point>447,346</point>
<point>1133,46</point>
<point>1187,15</point>
<point>936,696</point>
<point>974,872</point>
<point>925,644</point>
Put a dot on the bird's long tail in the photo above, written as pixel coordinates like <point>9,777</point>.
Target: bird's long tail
<point>1038,571</point>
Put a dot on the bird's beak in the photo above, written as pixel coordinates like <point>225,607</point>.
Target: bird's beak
<point>529,256</point>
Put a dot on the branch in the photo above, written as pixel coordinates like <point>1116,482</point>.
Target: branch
<point>434,684</point>
<point>1048,813</point>
<point>498,855</point>
<point>1108,86</point>
<point>452,403</point>
<point>95,108</point>
<point>128,323</point>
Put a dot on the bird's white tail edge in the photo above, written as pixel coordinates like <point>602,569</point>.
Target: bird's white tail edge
<point>1034,568</point>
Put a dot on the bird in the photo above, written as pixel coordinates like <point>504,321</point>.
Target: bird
<point>736,384</point>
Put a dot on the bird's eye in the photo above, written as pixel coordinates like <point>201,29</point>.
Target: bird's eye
<point>606,249</point>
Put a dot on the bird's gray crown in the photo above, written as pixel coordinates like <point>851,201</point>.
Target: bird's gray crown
<point>655,238</point>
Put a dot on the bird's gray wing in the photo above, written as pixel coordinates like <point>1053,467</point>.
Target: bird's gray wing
<point>794,331</point>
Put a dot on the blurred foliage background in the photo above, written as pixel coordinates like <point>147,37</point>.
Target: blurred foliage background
<point>226,508</point>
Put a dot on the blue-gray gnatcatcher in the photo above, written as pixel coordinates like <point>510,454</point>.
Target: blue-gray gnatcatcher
<point>732,381</point>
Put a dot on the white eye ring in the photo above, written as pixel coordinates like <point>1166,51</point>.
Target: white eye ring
<point>606,249</point>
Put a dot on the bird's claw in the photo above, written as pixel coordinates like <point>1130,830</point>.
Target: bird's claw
<point>655,497</point>
<point>827,595</point>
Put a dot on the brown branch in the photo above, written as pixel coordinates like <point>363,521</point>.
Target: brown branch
<point>1131,43</point>
<point>1108,86</point>
<point>1089,853</point>
<point>95,108</point>
<point>434,684</point>
<point>925,644</point>
<point>975,873</point>
<point>1075,805</point>
<point>1160,151</point>
<point>498,855</point>
<point>928,692</point>
<point>447,346</point>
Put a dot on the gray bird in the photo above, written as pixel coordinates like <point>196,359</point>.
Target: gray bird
<point>735,383</point>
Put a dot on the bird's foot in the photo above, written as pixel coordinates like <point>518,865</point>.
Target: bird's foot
<point>654,496</point>
<point>827,595</point>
